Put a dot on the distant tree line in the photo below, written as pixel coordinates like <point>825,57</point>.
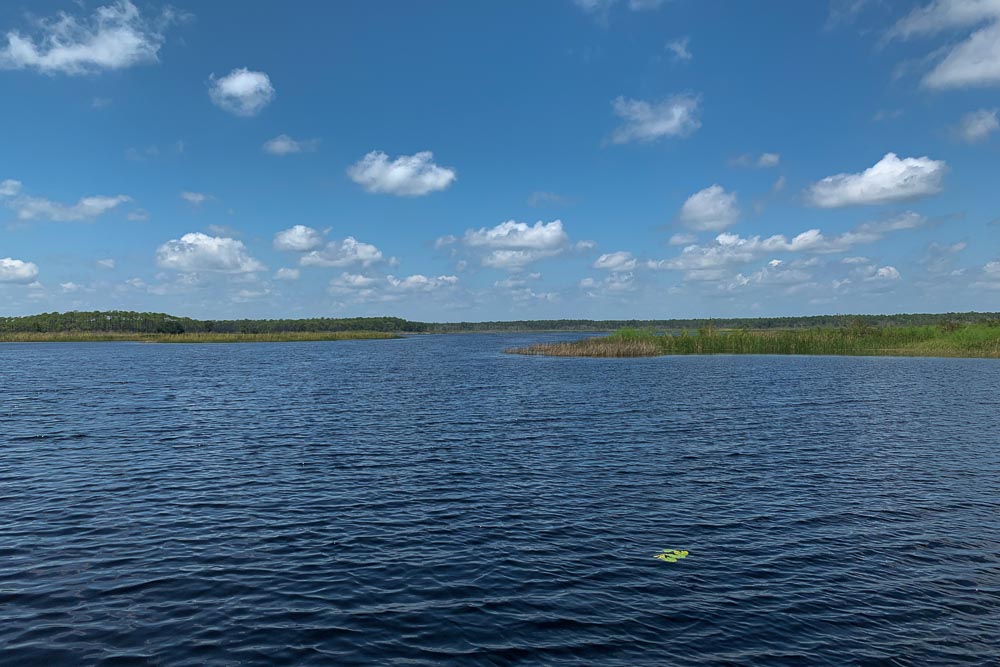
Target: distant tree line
<point>135,322</point>
<point>132,322</point>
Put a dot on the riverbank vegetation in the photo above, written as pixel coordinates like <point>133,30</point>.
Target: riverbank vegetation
<point>949,339</point>
<point>121,321</point>
<point>278,337</point>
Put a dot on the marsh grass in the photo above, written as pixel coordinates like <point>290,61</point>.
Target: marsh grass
<point>282,337</point>
<point>974,340</point>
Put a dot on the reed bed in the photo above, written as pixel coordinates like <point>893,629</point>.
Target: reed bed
<point>972,340</point>
<point>279,337</point>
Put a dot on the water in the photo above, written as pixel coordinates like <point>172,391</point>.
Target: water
<point>430,500</point>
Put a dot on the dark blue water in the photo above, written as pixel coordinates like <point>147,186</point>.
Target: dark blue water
<point>430,500</point>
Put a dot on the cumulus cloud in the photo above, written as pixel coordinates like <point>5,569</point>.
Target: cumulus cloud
<point>241,92</point>
<point>359,287</point>
<point>17,271</point>
<point>675,116</point>
<point>883,274</point>
<point>407,175</point>
<point>979,125</point>
<point>116,36</point>
<point>106,263</point>
<point>343,253</point>
<point>712,209</point>
<point>298,238</point>
<point>286,274</point>
<point>512,245</point>
<point>31,208</point>
<point>891,179</point>
<point>975,61</point>
<point>682,239</point>
<point>513,234</point>
<point>680,49</point>
<point>616,261</point>
<point>617,282</point>
<point>285,145</point>
<point>704,262</point>
<point>420,283</point>
<point>196,252</point>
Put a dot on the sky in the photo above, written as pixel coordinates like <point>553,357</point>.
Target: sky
<point>519,159</point>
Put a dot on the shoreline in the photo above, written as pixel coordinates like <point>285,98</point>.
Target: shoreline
<point>972,341</point>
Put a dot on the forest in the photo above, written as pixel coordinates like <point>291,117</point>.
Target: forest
<point>119,321</point>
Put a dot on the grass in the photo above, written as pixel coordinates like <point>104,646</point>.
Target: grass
<point>97,337</point>
<point>972,340</point>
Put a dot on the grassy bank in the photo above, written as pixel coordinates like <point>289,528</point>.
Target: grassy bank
<point>971,340</point>
<point>284,337</point>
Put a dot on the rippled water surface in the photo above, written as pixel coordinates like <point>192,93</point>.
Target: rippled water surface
<point>431,500</point>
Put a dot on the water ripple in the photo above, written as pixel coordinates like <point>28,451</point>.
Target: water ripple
<point>436,501</point>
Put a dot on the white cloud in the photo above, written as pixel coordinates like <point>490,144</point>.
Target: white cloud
<point>517,244</point>
<point>17,271</point>
<point>679,49</point>
<point>106,263</point>
<point>116,36</point>
<point>682,239</point>
<point>617,282</point>
<point>512,245</point>
<point>979,125</point>
<point>675,116</point>
<point>407,175</point>
<point>421,283</point>
<point>241,92</point>
<point>702,262</point>
<point>891,179</point>
<point>975,62</point>
<point>30,208</point>
<point>762,161</point>
<point>711,209</point>
<point>343,253</point>
<point>286,274</point>
<point>10,188</point>
<point>298,238</point>
<point>972,62</point>
<point>616,261</point>
<point>512,234</point>
<point>285,145</point>
<point>768,160</point>
<point>138,215</point>
<point>883,274</point>
<point>194,198</point>
<point>196,251</point>
<point>70,287</point>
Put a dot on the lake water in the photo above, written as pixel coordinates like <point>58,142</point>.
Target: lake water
<point>431,500</point>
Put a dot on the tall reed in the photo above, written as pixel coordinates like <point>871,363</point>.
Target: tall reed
<point>974,340</point>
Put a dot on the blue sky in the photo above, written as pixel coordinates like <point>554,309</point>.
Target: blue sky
<point>500,160</point>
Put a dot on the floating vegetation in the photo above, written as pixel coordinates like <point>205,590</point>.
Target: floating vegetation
<point>951,340</point>
<point>671,555</point>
